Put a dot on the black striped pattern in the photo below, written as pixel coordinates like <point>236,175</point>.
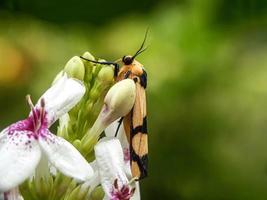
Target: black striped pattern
<point>140,129</point>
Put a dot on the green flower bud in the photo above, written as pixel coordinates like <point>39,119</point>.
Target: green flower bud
<point>70,187</point>
<point>94,93</point>
<point>98,193</point>
<point>42,187</point>
<point>75,68</point>
<point>89,106</point>
<point>88,66</point>
<point>88,56</point>
<point>77,143</point>
<point>106,74</point>
<point>76,194</point>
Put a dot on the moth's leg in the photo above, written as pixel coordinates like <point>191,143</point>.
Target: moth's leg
<point>120,122</point>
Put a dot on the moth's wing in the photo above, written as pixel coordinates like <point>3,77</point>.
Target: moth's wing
<point>127,121</point>
<point>138,134</point>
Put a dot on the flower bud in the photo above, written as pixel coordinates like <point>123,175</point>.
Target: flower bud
<point>77,194</point>
<point>75,68</point>
<point>77,144</point>
<point>88,66</point>
<point>118,101</point>
<point>106,74</point>
<point>88,56</point>
<point>97,193</point>
<point>94,93</point>
<point>58,76</point>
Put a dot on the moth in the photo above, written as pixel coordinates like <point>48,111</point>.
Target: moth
<point>135,122</point>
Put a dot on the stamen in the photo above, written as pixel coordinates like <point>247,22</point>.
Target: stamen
<point>29,101</point>
<point>42,110</point>
<point>34,114</point>
<point>116,183</point>
<point>125,192</point>
<point>42,103</point>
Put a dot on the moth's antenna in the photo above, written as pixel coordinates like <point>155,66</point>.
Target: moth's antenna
<point>116,65</point>
<point>142,49</point>
<point>98,62</point>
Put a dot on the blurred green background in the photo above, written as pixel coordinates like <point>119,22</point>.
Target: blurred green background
<point>207,89</point>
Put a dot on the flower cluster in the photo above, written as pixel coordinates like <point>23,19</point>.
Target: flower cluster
<point>75,163</point>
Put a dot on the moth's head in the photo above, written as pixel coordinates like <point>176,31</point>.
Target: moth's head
<point>127,60</point>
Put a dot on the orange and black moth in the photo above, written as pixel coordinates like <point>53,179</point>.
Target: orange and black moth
<point>135,122</point>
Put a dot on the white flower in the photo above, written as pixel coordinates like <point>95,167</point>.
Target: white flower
<point>111,171</point>
<point>23,143</point>
<point>110,131</point>
<point>121,136</point>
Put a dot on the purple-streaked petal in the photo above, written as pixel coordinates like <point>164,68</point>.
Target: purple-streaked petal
<point>19,156</point>
<point>61,97</point>
<point>11,195</point>
<point>65,157</point>
<point>109,158</point>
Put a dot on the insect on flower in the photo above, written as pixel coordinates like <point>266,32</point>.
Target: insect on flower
<point>135,122</point>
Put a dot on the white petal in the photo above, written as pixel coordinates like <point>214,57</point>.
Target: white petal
<point>61,97</point>
<point>136,195</point>
<point>3,137</point>
<point>109,157</point>
<point>92,183</point>
<point>65,157</point>
<point>52,169</point>
<point>11,195</point>
<point>19,157</point>
<point>110,131</point>
<point>127,169</point>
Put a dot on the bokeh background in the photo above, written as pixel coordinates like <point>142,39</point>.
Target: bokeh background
<point>207,92</point>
